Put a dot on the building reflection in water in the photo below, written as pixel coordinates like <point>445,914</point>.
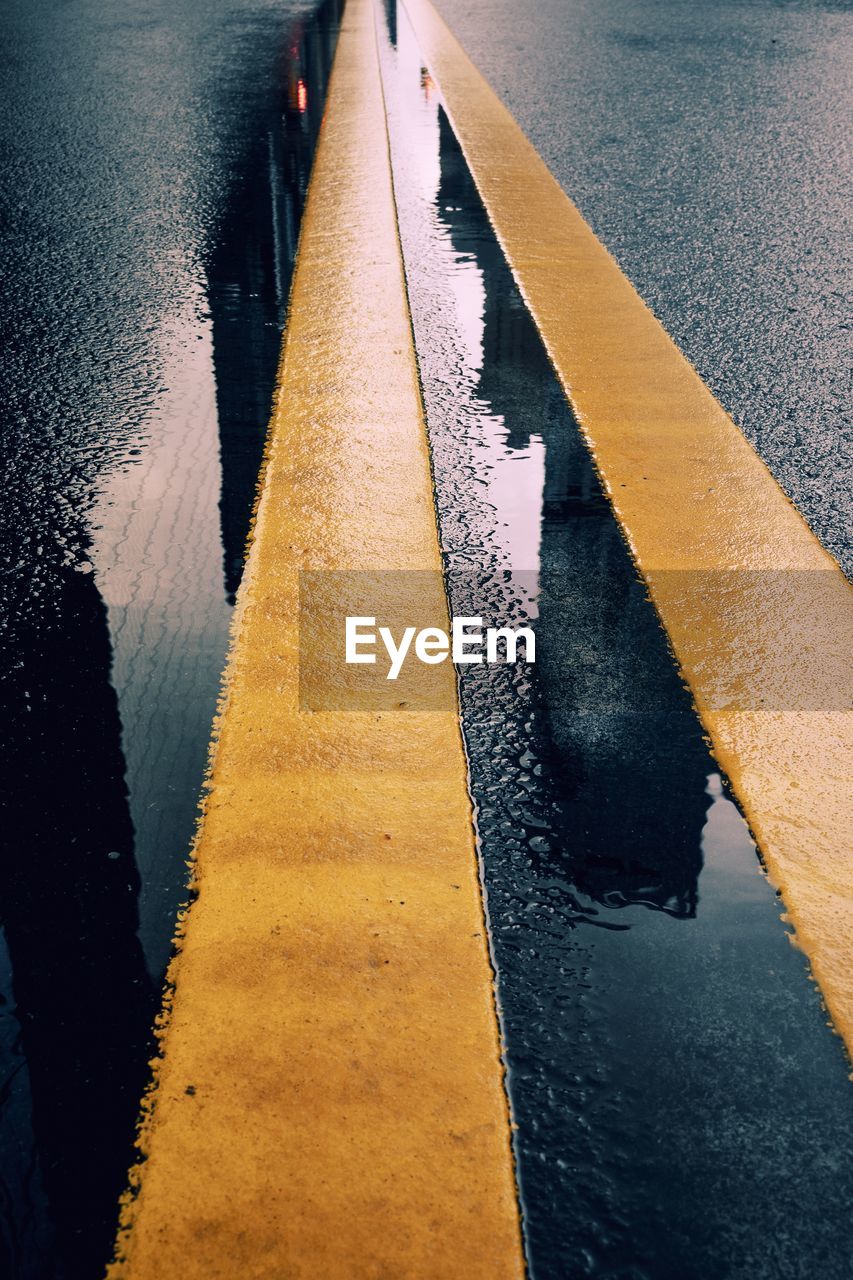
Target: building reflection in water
<point>653,1009</point>
<point>69,884</point>
<point>623,751</point>
<point>628,759</point>
<point>249,273</point>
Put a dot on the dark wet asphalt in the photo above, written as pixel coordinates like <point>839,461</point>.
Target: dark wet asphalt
<point>683,1111</point>
<point>708,145</point>
<point>155,157</point>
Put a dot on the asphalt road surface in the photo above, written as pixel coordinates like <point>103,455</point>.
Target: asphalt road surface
<point>155,157</point>
<point>709,147</point>
<point>666,1053</point>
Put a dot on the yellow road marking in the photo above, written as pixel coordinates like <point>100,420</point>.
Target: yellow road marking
<point>758,614</point>
<point>330,1102</point>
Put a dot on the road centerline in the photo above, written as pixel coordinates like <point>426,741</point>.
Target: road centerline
<point>331,1086</point>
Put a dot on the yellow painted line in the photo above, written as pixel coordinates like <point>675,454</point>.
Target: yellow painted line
<point>758,614</point>
<point>330,1102</point>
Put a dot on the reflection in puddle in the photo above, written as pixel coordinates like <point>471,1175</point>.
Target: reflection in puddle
<point>666,1054</point>
<point>116,619</point>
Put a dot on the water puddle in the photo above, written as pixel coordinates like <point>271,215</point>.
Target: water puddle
<point>118,628</point>
<point>680,1102</point>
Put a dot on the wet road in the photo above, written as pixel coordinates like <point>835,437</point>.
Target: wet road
<point>155,160</point>
<point>707,145</point>
<point>667,1054</point>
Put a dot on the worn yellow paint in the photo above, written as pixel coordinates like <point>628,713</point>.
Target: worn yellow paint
<point>758,614</point>
<point>330,1099</point>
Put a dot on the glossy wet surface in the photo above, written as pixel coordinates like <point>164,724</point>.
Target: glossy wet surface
<point>682,1109</point>
<point>156,159</point>
<point>682,1106</point>
<point>706,146</point>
